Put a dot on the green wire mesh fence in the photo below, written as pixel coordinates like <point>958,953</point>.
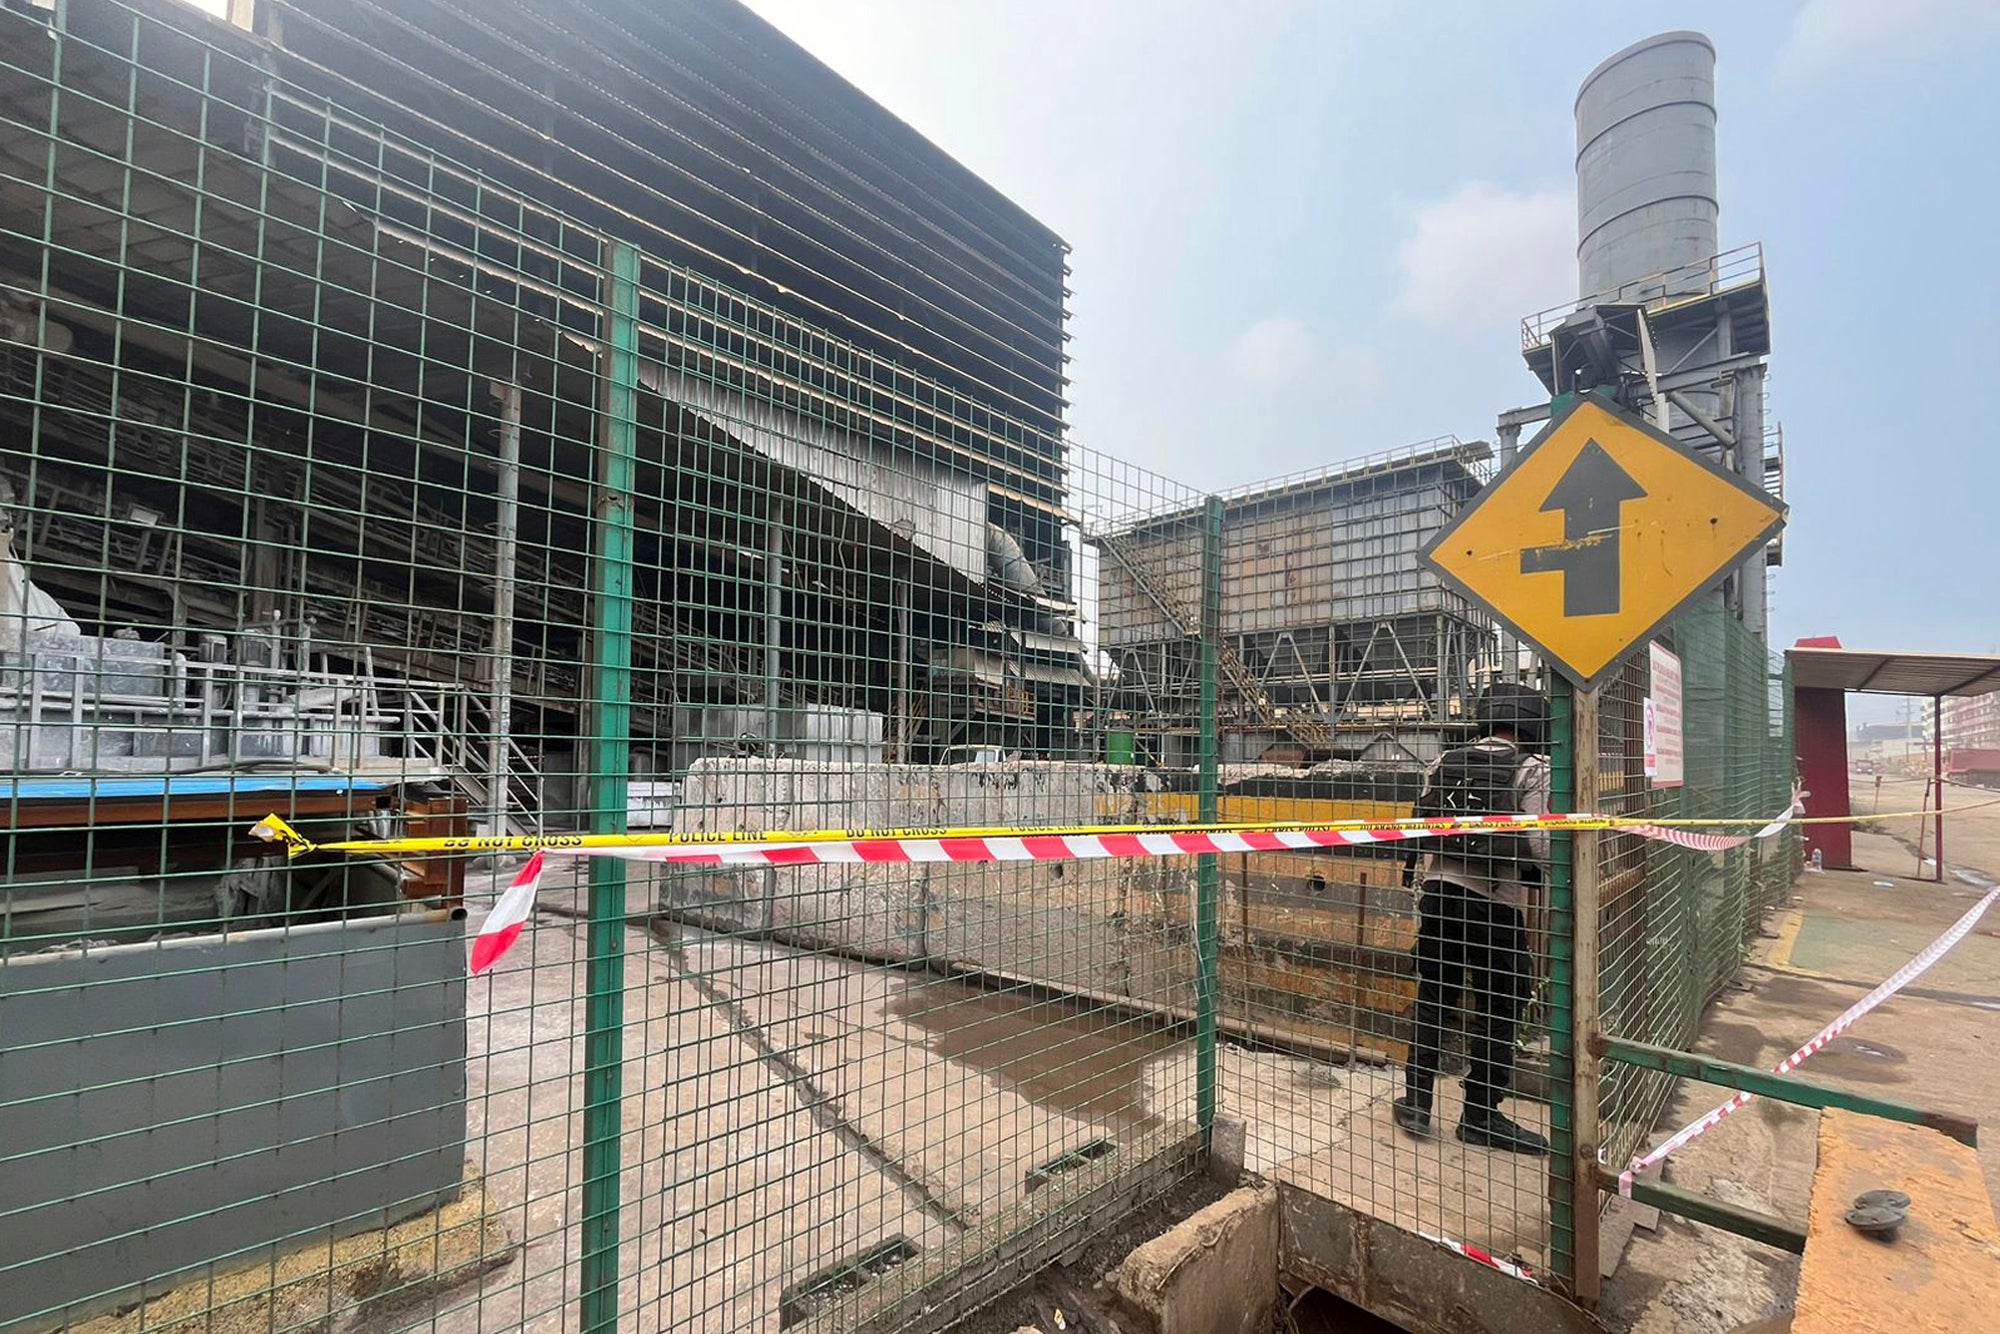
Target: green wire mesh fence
<point>1677,923</point>
<point>348,481</point>
<point>350,484</point>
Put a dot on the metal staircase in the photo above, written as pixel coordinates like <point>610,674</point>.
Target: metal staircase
<point>1308,729</point>
<point>458,724</point>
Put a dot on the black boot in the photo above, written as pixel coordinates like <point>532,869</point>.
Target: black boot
<point>1414,1115</point>
<point>1486,1128</point>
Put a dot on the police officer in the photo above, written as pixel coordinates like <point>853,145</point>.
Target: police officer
<point>1473,906</point>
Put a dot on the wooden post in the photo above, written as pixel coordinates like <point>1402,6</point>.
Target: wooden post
<point>1584,1000</point>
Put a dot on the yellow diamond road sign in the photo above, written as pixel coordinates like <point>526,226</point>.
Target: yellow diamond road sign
<point>1599,533</point>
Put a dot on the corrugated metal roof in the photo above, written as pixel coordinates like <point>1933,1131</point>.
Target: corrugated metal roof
<point>1053,674</point>
<point>1887,673</point>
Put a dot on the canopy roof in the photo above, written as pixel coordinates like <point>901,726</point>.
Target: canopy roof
<point>1879,673</point>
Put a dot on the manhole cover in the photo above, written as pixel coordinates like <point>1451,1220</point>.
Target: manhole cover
<point>1874,1051</point>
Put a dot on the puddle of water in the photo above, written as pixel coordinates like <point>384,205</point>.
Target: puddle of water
<point>1067,1055</point>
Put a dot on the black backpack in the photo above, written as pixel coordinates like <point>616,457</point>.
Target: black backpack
<point>1468,782</point>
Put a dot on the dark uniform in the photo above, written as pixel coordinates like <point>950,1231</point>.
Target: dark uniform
<point>1472,929</point>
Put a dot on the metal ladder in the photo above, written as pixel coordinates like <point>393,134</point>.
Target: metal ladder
<point>1308,729</point>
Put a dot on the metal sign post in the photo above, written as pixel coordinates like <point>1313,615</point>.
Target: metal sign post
<point>1574,918</point>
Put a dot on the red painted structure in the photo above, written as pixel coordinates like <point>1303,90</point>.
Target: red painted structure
<point>1978,765</point>
<point>1819,718</point>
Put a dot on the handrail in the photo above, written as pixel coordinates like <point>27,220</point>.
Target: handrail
<point>1700,280</point>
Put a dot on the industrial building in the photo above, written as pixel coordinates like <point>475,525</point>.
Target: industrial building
<point>1972,723</point>
<point>1337,643</point>
<point>242,235</point>
<point>374,378</point>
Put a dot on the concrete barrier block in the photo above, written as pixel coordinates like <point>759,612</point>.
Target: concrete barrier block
<point>1108,929</point>
<point>1215,1273</point>
<point>1229,1142</point>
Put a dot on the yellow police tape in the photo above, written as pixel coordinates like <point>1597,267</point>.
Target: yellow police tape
<point>273,829</point>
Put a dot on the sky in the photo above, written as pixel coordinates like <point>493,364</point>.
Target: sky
<point>1304,232</point>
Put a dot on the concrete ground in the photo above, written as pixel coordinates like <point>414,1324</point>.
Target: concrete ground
<point>1972,818</point>
<point>1934,1045</point>
<point>784,1113</point>
<point>787,1111</point>
<point>1340,1143</point>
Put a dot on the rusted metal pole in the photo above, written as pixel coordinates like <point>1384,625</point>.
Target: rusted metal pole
<point>1573,999</point>
<point>506,557</point>
<point>1937,780</point>
<point>1791,1088</point>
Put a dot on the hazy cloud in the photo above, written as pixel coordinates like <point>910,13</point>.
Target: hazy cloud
<point>1830,35</point>
<point>1281,352</point>
<point>1487,256</point>
<point>1273,352</point>
<point>1356,372</point>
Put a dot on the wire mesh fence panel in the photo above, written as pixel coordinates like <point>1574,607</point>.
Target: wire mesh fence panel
<point>890,1088</point>
<point>1779,859</point>
<point>1677,922</point>
<point>1360,987</point>
<point>294,529</point>
<point>350,484</point>
<point>1647,910</point>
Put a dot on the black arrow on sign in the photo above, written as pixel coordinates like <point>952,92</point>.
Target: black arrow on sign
<point>1589,496</point>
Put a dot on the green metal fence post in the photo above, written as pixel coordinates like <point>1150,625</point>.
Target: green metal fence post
<point>1208,872</point>
<point>610,745</point>
<point>1563,1221</point>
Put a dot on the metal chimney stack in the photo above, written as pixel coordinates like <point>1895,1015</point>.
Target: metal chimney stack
<point>1678,329</point>
<point>1645,163</point>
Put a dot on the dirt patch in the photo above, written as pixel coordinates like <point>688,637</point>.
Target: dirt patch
<point>1852,1058</point>
<point>371,1281</point>
<point>1076,1289</point>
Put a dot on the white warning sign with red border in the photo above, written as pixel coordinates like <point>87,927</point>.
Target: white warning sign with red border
<point>1664,746</point>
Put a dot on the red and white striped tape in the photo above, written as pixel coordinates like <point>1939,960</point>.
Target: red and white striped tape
<point>509,917</point>
<point>1896,981</point>
<point>1483,1257</point>
<point>518,901</point>
<point>1689,838</point>
<point>1056,847</point>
